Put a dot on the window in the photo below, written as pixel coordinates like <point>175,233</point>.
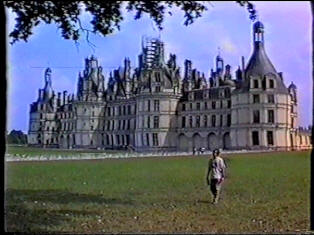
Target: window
<point>255,83</point>
<point>271,83</point>
<point>191,121</point>
<point>213,120</point>
<point>255,99</point>
<point>156,105</point>
<point>256,116</point>
<point>183,107</point>
<point>191,106</point>
<point>198,123</point>
<point>229,120</point>
<point>229,104</point>
<point>270,116</point>
<point>156,121</point>
<point>271,99</point>
<point>292,122</point>
<point>205,105</point>
<point>118,139</point>
<point>157,89</point>
<point>213,105</point>
<point>198,106</point>
<point>148,105</point>
<point>255,139</point>
<point>147,139</point>
<point>124,110</point>
<point>270,139</point>
<point>155,139</point>
<point>221,120</point>
<point>128,124</point>
<point>205,121</point>
<point>119,110</point>
<point>148,122</point>
<point>157,77</point>
<point>183,122</point>
<point>129,109</point>
<point>292,109</point>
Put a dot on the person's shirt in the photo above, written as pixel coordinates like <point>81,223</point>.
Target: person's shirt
<point>217,168</point>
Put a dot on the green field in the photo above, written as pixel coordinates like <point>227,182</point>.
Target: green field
<point>262,193</point>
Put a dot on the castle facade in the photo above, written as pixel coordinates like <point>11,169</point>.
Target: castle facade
<point>156,107</point>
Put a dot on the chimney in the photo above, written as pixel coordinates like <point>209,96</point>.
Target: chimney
<point>59,99</point>
<point>64,97</point>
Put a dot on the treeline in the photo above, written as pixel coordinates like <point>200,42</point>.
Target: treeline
<point>16,137</point>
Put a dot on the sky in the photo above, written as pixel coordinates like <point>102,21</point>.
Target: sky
<point>225,25</point>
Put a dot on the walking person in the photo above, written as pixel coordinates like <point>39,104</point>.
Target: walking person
<point>216,173</point>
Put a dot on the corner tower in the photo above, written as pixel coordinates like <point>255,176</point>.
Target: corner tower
<point>262,117</point>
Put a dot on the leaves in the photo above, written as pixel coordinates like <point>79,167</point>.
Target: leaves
<point>107,16</point>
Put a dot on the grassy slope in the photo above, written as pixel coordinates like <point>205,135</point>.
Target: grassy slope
<point>262,193</point>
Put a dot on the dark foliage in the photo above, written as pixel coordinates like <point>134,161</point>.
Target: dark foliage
<point>17,137</point>
<point>107,16</point>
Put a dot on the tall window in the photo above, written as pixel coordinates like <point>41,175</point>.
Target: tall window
<point>256,118</point>
<point>229,104</point>
<point>198,123</point>
<point>157,77</point>
<point>156,105</point>
<point>271,99</point>
<point>183,122</point>
<point>147,139</point>
<point>148,122</point>
<point>255,83</point>
<point>191,121</point>
<point>255,139</point>
<point>229,120</point>
<point>205,105</point>
<point>213,105</point>
<point>156,121</point>
<point>205,120</point>
<point>213,120</point>
<point>271,83</point>
<point>148,105</point>
<point>198,106</point>
<point>270,139</point>
<point>255,99</point>
<point>292,109</point>
<point>191,106</point>
<point>221,120</point>
<point>155,139</point>
<point>129,109</point>
<point>183,107</point>
<point>157,89</point>
<point>271,116</point>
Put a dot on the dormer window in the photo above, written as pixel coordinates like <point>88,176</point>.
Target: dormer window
<point>271,83</point>
<point>255,83</point>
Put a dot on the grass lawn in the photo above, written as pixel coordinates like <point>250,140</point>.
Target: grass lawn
<point>262,193</point>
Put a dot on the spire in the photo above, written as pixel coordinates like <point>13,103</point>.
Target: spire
<point>47,91</point>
